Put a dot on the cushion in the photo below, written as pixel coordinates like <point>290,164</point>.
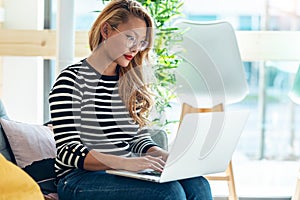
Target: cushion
<point>15,184</point>
<point>33,147</point>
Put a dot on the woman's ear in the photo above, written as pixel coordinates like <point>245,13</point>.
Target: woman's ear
<point>105,30</point>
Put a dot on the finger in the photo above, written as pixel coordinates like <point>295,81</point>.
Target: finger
<point>155,163</point>
<point>161,161</point>
<point>156,166</point>
<point>158,159</point>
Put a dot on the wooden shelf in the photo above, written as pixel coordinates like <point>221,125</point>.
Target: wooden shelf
<point>37,43</point>
<point>253,45</point>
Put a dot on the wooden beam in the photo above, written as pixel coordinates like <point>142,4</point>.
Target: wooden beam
<point>37,43</point>
<point>254,45</point>
<point>82,48</point>
<point>27,43</point>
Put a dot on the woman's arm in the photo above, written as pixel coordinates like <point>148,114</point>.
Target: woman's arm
<point>99,161</point>
<point>65,105</point>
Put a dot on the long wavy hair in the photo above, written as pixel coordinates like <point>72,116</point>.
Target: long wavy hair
<point>132,87</point>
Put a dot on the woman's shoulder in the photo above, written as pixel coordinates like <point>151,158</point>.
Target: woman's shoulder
<point>75,68</point>
<point>70,78</point>
<point>75,71</point>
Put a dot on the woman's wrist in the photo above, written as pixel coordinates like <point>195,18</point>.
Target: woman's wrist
<point>101,161</point>
<point>119,162</point>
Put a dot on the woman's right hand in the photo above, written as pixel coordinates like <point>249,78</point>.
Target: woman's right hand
<point>142,163</point>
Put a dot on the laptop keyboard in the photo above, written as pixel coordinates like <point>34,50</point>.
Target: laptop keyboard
<point>147,172</point>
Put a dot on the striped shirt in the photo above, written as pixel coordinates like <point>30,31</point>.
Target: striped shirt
<point>88,113</point>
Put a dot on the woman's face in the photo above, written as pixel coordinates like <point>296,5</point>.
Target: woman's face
<point>126,40</point>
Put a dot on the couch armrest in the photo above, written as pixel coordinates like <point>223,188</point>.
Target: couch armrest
<point>159,137</point>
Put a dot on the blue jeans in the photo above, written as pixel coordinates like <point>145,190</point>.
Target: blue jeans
<point>82,184</point>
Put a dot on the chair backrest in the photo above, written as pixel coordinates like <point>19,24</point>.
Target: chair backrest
<point>211,71</point>
<point>160,137</point>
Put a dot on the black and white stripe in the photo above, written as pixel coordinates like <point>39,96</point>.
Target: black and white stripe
<point>88,113</point>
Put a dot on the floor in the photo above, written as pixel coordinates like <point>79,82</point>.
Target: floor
<point>260,179</point>
<point>255,198</point>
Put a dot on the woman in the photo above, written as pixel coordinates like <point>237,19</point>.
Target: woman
<point>98,109</point>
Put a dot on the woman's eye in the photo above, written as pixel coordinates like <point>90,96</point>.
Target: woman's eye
<point>144,43</point>
<point>130,38</point>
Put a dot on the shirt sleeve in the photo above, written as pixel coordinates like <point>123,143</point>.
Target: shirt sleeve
<point>142,142</point>
<point>65,106</point>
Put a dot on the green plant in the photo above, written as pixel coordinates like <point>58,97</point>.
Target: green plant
<point>163,11</point>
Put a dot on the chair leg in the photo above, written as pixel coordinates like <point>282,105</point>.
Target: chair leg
<point>231,185</point>
<point>296,195</point>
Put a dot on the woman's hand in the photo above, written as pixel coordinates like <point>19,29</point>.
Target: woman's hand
<point>157,151</point>
<point>144,162</point>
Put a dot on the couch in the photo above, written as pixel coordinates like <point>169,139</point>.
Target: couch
<point>32,148</point>
<point>24,146</point>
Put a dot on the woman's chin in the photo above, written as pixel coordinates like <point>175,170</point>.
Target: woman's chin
<point>123,64</point>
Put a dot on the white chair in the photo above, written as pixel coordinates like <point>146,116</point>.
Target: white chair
<point>211,73</point>
<point>295,97</point>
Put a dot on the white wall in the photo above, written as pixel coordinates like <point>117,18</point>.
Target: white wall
<point>23,76</point>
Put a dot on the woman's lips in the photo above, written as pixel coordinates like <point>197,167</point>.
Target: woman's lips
<point>128,57</point>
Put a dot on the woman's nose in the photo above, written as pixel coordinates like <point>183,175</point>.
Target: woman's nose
<point>134,48</point>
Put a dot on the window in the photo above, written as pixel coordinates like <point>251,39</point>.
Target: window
<point>271,136</point>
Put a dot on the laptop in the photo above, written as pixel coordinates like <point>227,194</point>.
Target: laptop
<point>204,144</point>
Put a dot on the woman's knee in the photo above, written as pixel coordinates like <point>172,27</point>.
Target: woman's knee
<point>172,191</point>
<point>197,188</point>
<point>204,182</point>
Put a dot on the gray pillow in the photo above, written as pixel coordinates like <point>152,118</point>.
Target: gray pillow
<point>29,142</point>
<point>33,147</point>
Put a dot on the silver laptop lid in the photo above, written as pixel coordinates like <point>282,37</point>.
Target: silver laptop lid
<point>204,144</point>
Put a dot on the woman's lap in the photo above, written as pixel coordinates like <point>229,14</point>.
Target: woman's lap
<point>82,185</point>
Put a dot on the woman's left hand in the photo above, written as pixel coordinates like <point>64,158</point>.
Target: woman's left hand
<point>157,151</point>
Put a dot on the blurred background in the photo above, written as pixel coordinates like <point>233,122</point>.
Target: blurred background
<point>266,160</point>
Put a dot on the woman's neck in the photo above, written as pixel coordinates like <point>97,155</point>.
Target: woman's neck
<point>101,62</point>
